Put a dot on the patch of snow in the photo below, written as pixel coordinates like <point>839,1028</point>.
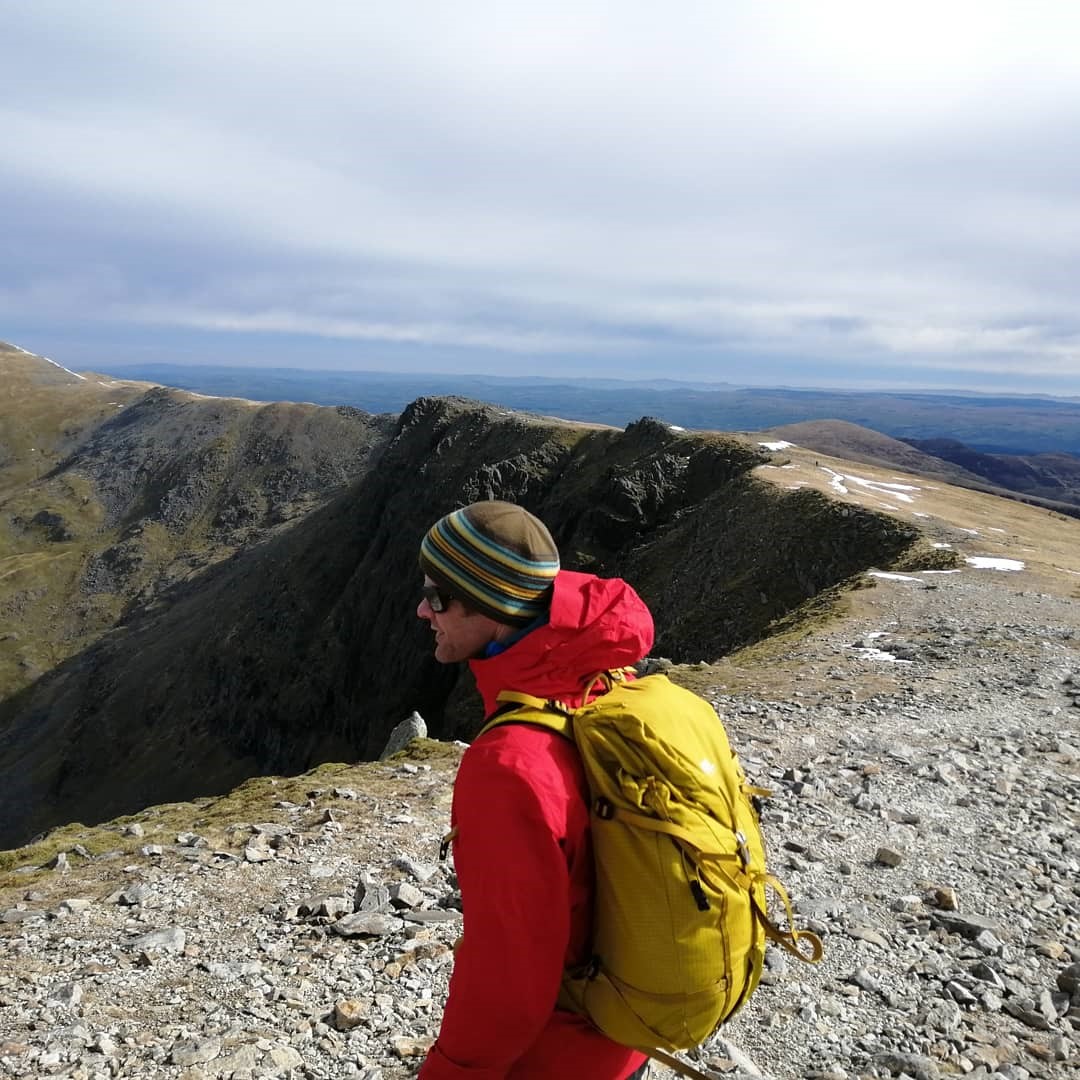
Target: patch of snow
<point>876,654</point>
<point>837,481</point>
<point>943,545</point>
<point>992,529</point>
<point>1064,570</point>
<point>915,513</point>
<point>891,577</point>
<point>974,532</point>
<point>889,506</point>
<point>939,571</point>
<point>985,562</point>
<point>781,445</point>
<point>675,427</point>
<point>897,491</point>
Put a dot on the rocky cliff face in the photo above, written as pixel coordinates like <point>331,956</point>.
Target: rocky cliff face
<point>304,647</point>
<point>112,493</point>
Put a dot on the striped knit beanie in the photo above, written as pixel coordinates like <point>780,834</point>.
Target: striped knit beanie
<point>496,557</point>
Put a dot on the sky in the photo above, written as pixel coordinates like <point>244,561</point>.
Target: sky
<point>803,194</point>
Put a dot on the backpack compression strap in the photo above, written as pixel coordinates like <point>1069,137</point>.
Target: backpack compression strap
<point>787,939</point>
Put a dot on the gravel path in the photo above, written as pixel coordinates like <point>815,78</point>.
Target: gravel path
<point>924,758</point>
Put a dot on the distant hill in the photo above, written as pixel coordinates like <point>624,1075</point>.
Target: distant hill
<point>1052,477</point>
<point>841,439</point>
<point>1006,424</point>
<point>1050,480</point>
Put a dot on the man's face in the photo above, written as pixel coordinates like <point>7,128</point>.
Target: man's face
<point>460,633</point>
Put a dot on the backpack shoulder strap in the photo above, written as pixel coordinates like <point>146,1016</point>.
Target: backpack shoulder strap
<point>517,708</point>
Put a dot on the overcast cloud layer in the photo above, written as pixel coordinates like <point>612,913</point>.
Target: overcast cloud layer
<point>805,193</point>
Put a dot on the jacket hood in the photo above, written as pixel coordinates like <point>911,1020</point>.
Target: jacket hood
<point>596,624</point>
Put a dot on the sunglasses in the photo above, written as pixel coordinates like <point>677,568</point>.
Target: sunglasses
<point>438,599</point>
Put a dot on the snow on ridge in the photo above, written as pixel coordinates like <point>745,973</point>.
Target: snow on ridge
<point>62,368</point>
<point>781,445</point>
<point>839,483</point>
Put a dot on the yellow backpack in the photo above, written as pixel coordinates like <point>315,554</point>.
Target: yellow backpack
<point>680,920</point>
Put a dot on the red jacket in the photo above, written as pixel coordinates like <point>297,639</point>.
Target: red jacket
<point>523,856</point>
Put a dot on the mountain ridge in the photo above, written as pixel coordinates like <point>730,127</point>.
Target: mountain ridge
<point>296,643</point>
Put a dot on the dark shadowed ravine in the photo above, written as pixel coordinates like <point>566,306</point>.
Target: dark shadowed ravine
<point>295,642</point>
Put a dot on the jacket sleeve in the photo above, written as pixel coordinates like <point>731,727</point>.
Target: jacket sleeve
<point>515,889</point>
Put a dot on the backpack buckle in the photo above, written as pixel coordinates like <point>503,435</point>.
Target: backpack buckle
<point>604,809</point>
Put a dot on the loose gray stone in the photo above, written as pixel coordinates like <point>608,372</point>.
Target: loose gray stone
<point>433,915</point>
<point>171,940</point>
<point>371,895</point>
<point>18,915</point>
<point>135,895</point>
<point>968,926</point>
<point>366,924</point>
<point>989,943</point>
<point>1023,1012</point>
<point>67,994</point>
<point>195,1051</point>
<point>943,1015</point>
<point>1068,980</point>
<point>286,1057</point>
<point>914,1065</point>
<point>422,872</point>
<point>231,971</point>
<point>76,905</point>
<point>404,895</point>
<point>412,727</point>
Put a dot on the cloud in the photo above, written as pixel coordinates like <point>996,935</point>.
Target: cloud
<point>848,183</point>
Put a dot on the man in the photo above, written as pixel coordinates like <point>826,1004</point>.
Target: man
<point>494,595</point>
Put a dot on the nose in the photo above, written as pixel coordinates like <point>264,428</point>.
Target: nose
<point>423,609</point>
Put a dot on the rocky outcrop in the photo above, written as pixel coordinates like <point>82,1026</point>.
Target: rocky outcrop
<point>305,647</point>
